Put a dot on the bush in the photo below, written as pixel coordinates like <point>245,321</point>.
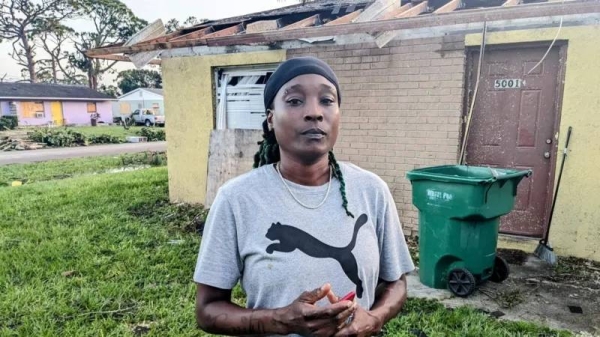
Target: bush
<point>58,137</point>
<point>153,135</point>
<point>146,158</point>
<point>8,123</point>
<point>104,139</point>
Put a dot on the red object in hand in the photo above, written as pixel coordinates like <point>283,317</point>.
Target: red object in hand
<point>349,296</point>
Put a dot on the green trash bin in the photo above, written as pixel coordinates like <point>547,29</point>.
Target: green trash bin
<point>459,217</point>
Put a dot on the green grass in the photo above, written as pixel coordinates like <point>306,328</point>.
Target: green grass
<point>60,169</point>
<point>91,256</point>
<point>117,131</point>
<point>434,320</point>
<point>120,261</point>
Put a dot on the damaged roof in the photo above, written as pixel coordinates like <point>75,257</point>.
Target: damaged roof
<point>381,19</point>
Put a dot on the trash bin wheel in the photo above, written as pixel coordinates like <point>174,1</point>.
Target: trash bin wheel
<point>461,282</point>
<point>500,271</point>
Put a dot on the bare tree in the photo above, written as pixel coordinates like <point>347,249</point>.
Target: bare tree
<point>21,22</point>
<point>54,40</point>
<point>113,23</point>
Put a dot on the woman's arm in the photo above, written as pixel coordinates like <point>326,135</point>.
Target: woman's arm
<point>389,299</point>
<point>216,314</point>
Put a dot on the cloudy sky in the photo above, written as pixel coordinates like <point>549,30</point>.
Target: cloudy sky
<point>151,10</point>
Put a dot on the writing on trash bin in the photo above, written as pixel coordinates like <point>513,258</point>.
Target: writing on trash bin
<point>438,195</point>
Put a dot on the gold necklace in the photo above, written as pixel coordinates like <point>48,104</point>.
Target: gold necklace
<point>278,169</point>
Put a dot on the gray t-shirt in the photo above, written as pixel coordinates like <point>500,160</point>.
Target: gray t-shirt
<point>258,234</point>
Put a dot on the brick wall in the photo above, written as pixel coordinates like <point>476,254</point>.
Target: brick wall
<point>401,108</point>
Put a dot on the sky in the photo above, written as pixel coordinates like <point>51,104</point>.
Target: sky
<point>151,10</point>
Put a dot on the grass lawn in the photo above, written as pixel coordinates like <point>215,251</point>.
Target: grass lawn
<point>60,169</point>
<point>112,130</point>
<point>93,256</point>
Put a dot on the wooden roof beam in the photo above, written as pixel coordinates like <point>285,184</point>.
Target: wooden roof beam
<point>414,11</point>
<point>159,39</point>
<point>122,58</point>
<point>348,18</point>
<point>193,35</point>
<point>376,10</point>
<point>511,3</point>
<point>449,7</point>
<point>263,26</point>
<point>308,22</point>
<point>384,38</point>
<point>233,30</point>
<point>397,11</point>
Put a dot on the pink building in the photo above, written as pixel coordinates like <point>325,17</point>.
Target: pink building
<point>53,104</point>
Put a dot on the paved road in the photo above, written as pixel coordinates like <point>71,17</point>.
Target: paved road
<point>18,157</point>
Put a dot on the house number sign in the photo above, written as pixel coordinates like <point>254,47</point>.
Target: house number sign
<point>508,83</point>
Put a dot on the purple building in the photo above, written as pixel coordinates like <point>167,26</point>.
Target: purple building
<point>54,104</point>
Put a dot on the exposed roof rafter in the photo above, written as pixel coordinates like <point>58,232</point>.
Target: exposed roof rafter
<point>348,18</point>
<point>449,7</point>
<point>511,3</point>
<point>397,11</point>
<point>263,26</point>
<point>123,58</point>
<point>194,35</point>
<point>414,11</point>
<point>384,38</point>
<point>233,30</point>
<point>407,19</point>
<point>376,9</point>
<point>308,22</point>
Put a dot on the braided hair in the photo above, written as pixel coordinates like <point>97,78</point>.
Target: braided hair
<point>268,153</point>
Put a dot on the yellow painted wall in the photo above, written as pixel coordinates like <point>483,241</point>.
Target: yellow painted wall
<point>188,88</point>
<point>576,225</point>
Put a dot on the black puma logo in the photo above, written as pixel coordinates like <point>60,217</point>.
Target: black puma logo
<point>291,238</point>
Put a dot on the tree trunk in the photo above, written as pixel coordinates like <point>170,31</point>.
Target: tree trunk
<point>54,72</point>
<point>90,76</point>
<point>94,82</point>
<point>29,56</point>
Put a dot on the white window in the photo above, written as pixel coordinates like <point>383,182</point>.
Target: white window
<point>243,88</point>
<point>12,108</point>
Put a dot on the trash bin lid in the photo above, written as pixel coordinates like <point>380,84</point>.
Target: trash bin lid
<point>466,174</point>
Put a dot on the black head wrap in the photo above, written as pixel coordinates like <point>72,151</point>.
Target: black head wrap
<point>295,67</point>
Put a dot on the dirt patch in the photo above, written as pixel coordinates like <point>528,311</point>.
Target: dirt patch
<point>561,297</point>
<point>185,217</point>
<point>513,256</point>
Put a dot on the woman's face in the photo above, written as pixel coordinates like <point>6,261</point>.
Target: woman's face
<point>306,117</point>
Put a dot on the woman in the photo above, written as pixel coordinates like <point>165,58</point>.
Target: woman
<point>294,245</point>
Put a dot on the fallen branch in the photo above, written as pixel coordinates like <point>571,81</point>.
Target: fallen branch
<point>109,312</point>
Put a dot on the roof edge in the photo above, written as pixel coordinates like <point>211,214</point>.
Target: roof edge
<point>57,98</point>
<point>524,11</point>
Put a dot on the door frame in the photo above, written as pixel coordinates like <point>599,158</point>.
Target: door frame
<point>562,46</point>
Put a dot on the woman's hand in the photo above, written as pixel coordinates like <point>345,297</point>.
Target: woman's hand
<point>305,318</point>
<point>363,323</point>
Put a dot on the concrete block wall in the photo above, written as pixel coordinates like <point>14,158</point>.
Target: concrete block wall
<point>401,108</point>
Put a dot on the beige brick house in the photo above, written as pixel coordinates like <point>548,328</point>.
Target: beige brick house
<point>409,73</point>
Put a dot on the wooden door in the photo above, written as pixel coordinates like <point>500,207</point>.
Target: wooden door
<point>514,125</point>
<point>57,113</point>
